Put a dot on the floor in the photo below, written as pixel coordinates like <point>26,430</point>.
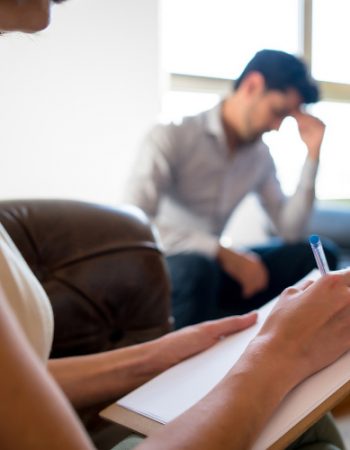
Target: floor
<point>342,416</point>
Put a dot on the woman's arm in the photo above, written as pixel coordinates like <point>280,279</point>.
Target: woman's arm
<point>34,414</point>
<point>233,414</point>
<point>88,380</point>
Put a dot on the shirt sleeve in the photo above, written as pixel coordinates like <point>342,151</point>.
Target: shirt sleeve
<point>289,215</point>
<point>152,173</point>
<point>153,176</point>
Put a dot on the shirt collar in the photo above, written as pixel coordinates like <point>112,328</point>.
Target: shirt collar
<point>214,127</point>
<point>214,124</point>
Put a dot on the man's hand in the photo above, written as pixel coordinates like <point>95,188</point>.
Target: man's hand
<point>311,132</point>
<point>246,268</point>
<point>179,345</point>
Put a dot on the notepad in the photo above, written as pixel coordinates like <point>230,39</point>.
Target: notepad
<point>180,387</point>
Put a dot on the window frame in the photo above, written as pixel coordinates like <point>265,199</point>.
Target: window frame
<point>331,91</point>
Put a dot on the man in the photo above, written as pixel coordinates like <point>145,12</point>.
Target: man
<point>290,347</point>
<point>191,177</point>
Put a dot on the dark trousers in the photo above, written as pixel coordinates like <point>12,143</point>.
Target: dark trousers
<point>201,290</point>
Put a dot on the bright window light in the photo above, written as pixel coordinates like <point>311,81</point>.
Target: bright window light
<point>333,179</point>
<point>331,35</point>
<point>177,104</point>
<point>217,37</point>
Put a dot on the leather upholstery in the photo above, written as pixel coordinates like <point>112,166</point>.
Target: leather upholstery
<point>101,268</point>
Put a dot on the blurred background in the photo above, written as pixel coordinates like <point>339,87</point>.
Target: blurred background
<point>77,99</point>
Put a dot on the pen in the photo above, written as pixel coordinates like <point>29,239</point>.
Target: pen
<point>317,249</point>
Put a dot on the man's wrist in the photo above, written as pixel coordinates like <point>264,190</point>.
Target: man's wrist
<point>223,252</point>
<point>314,154</point>
<point>227,258</point>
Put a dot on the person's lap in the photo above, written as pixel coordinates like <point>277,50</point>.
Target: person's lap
<point>201,290</point>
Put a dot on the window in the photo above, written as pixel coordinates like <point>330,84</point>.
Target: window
<point>216,38</point>
<point>330,41</point>
<point>179,104</point>
<point>207,43</point>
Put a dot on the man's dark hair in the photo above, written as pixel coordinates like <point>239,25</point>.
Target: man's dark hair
<point>281,72</point>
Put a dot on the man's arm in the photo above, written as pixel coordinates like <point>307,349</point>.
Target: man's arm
<point>308,329</point>
<point>290,215</point>
<point>246,268</point>
<point>153,171</point>
<point>311,131</point>
<point>92,379</point>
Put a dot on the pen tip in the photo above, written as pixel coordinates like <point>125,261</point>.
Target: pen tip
<point>314,239</point>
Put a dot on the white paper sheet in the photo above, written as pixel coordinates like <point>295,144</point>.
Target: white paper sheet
<point>177,389</point>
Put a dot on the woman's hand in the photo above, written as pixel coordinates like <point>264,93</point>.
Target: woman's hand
<point>179,345</point>
<point>309,328</point>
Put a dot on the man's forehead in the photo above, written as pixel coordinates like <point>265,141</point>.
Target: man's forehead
<point>289,99</point>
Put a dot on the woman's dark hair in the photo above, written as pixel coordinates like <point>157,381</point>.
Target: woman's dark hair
<point>281,72</point>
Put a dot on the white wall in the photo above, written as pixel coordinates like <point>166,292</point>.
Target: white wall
<point>76,99</point>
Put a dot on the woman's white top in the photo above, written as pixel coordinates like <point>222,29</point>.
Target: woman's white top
<point>26,297</point>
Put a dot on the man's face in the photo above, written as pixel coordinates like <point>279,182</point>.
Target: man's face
<point>265,112</point>
<point>24,15</point>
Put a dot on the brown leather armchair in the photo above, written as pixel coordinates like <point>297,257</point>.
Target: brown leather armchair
<point>101,268</point>
<point>104,274</point>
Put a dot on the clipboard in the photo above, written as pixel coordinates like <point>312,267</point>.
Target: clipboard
<point>146,426</point>
<point>163,398</point>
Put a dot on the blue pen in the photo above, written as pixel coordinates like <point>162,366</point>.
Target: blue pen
<point>317,249</point>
